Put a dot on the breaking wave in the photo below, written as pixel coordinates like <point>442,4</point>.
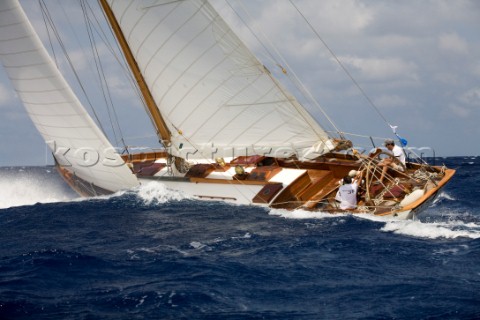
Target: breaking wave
<point>303,214</point>
<point>156,193</point>
<point>451,229</point>
<point>29,189</point>
<point>434,230</point>
<point>23,187</point>
<point>45,186</point>
<point>444,195</point>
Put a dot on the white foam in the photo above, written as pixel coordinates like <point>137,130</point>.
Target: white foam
<point>152,192</point>
<point>23,191</point>
<point>102,197</point>
<point>429,230</point>
<point>451,229</point>
<point>197,245</point>
<point>434,230</point>
<point>372,217</point>
<point>449,251</point>
<point>303,214</point>
<point>444,195</point>
<point>155,192</point>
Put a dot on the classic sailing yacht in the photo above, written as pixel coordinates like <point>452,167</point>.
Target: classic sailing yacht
<point>229,129</point>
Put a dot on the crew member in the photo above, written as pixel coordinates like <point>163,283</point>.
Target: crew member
<point>347,193</point>
<point>398,154</point>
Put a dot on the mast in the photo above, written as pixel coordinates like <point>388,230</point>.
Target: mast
<point>214,92</point>
<point>162,130</point>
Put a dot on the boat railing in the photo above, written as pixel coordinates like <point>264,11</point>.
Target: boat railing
<point>366,144</point>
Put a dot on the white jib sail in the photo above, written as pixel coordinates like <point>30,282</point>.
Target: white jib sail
<point>75,139</point>
<point>216,97</point>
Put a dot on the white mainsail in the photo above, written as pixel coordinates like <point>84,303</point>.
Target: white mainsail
<point>217,99</point>
<point>77,142</point>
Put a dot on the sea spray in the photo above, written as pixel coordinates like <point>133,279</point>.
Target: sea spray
<point>20,187</point>
<point>156,192</point>
<point>433,230</point>
<point>304,214</point>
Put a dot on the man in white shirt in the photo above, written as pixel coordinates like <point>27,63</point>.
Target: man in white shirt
<point>347,193</point>
<point>390,162</point>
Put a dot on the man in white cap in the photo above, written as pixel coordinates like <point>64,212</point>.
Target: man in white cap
<point>390,162</point>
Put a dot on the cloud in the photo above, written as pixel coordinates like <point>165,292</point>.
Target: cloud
<point>459,111</point>
<point>420,55</point>
<point>345,17</point>
<point>476,69</point>
<point>471,97</point>
<point>452,43</point>
<point>379,69</point>
<point>447,78</point>
<point>391,101</point>
<point>466,104</point>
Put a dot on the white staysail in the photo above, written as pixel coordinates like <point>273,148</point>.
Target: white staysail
<point>217,99</point>
<point>78,144</point>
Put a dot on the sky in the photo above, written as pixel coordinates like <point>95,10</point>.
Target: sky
<point>418,62</point>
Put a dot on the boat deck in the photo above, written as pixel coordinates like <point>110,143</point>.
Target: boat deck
<point>292,184</point>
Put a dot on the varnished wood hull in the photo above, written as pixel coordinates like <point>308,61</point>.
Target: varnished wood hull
<point>285,184</point>
<point>81,186</point>
<point>275,183</point>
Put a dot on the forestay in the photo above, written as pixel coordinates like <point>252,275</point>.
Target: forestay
<point>54,109</point>
<point>216,97</point>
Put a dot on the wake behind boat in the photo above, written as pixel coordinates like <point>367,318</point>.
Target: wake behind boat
<point>227,129</point>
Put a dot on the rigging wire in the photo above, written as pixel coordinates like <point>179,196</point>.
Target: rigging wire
<point>101,75</point>
<point>123,63</point>
<point>48,18</point>
<point>119,58</point>
<point>402,141</point>
<point>295,80</point>
<point>127,70</point>
<point>41,4</point>
<point>341,64</point>
<point>91,30</point>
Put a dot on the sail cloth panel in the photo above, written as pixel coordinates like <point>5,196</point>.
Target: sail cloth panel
<point>53,107</point>
<point>213,93</point>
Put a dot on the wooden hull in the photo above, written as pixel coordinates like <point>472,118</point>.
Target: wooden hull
<point>283,184</point>
<point>81,186</point>
<point>287,184</point>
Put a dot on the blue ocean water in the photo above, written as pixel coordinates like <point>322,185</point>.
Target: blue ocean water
<point>152,253</point>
